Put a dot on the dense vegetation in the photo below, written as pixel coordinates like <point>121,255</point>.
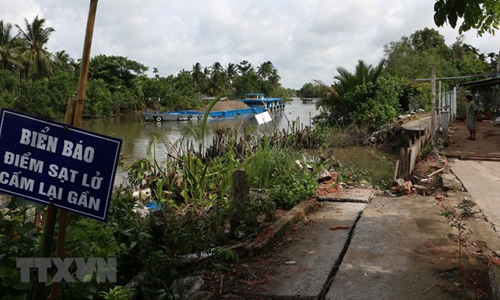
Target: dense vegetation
<point>311,90</point>
<point>38,82</point>
<point>374,95</point>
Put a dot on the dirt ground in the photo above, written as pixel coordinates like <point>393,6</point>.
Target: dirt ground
<point>487,138</point>
<point>226,105</point>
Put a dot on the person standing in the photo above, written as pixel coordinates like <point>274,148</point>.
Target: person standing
<point>471,114</point>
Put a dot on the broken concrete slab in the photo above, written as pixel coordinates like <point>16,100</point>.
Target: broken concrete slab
<point>451,183</point>
<point>383,262</point>
<point>315,254</point>
<point>265,240</point>
<point>356,195</point>
<point>422,190</point>
<point>323,175</point>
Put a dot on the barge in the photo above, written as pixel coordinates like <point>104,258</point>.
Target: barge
<point>256,102</point>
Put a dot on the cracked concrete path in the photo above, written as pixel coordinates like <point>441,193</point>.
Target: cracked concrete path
<point>419,124</point>
<point>312,255</point>
<point>394,249</point>
<point>482,181</point>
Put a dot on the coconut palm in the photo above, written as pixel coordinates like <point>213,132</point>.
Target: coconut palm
<point>198,76</point>
<point>231,72</point>
<point>35,56</point>
<point>9,57</point>
<point>63,61</point>
<point>217,68</point>
<point>363,73</point>
<point>265,69</point>
<point>216,83</point>
<point>274,77</point>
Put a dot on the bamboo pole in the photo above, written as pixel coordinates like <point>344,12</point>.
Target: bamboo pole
<point>74,113</point>
<point>47,239</point>
<point>84,70</point>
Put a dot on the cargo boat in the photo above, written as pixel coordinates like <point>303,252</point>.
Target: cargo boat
<point>256,102</point>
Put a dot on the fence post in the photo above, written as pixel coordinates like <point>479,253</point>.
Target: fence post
<point>433,105</point>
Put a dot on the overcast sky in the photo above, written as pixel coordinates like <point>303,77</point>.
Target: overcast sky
<point>305,39</point>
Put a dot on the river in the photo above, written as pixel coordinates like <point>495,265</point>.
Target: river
<point>136,135</point>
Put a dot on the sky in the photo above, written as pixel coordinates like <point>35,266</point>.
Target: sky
<point>304,39</point>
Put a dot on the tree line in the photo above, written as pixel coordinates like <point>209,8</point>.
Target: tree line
<point>38,82</point>
<point>374,95</point>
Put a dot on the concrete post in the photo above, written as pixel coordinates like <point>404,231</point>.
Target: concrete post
<point>439,111</point>
<point>454,102</point>
<point>433,106</point>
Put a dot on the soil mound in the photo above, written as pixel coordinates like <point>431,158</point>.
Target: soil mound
<point>226,105</point>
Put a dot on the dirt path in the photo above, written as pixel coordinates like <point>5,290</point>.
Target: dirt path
<point>487,139</point>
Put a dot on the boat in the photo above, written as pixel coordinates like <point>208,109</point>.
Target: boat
<point>181,115</point>
<point>259,99</point>
<point>256,102</point>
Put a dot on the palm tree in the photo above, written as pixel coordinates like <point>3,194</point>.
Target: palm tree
<point>265,70</point>
<point>231,71</point>
<point>62,60</point>
<point>216,84</point>
<point>36,57</point>
<point>138,85</point>
<point>347,81</point>
<point>217,68</point>
<point>198,76</point>
<point>231,74</point>
<point>274,77</point>
<point>8,45</point>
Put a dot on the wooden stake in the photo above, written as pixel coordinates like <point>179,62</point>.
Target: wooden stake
<point>396,170</point>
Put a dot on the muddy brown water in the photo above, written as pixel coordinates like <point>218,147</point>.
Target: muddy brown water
<point>137,135</point>
<point>376,163</point>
